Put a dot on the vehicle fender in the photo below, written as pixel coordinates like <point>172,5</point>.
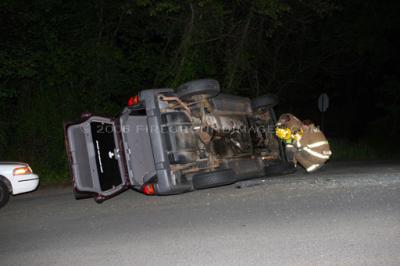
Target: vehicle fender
<point>7,182</point>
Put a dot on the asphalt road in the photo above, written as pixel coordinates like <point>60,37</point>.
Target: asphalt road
<point>346,214</point>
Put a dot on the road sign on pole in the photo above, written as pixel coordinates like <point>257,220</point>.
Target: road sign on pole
<point>323,105</point>
<point>323,102</point>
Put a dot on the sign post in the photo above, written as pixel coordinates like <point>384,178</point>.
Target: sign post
<point>323,105</point>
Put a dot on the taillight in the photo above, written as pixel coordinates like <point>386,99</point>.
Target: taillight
<point>26,170</point>
<point>148,189</point>
<point>133,100</point>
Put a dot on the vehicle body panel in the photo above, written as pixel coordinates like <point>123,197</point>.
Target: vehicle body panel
<point>94,154</point>
<point>155,142</point>
<point>19,183</point>
<point>137,145</point>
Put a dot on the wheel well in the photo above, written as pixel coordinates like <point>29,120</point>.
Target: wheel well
<point>7,182</point>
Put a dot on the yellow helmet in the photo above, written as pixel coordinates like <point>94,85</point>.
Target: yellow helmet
<point>283,133</point>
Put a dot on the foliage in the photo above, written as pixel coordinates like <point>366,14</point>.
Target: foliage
<point>60,58</point>
<point>346,150</point>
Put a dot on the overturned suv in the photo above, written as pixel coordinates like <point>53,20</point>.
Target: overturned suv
<point>168,142</point>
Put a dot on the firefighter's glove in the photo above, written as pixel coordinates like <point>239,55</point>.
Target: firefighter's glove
<point>296,136</point>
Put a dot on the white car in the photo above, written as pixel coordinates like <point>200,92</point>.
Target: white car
<point>16,178</point>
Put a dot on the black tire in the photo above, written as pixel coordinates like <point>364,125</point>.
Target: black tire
<point>99,199</point>
<point>216,178</point>
<point>208,87</point>
<point>265,101</point>
<point>4,194</point>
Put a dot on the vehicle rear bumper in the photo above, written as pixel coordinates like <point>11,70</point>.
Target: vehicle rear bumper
<point>25,183</point>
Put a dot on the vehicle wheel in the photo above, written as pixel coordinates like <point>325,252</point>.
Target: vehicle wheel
<point>214,179</point>
<point>4,194</point>
<point>266,101</point>
<point>99,200</point>
<point>208,87</point>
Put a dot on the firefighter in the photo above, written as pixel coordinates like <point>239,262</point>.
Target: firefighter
<point>305,143</point>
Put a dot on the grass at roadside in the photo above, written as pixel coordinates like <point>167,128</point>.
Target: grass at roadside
<point>344,150</point>
<point>364,149</point>
<point>53,178</point>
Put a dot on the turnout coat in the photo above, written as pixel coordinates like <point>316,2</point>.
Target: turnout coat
<point>312,149</point>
